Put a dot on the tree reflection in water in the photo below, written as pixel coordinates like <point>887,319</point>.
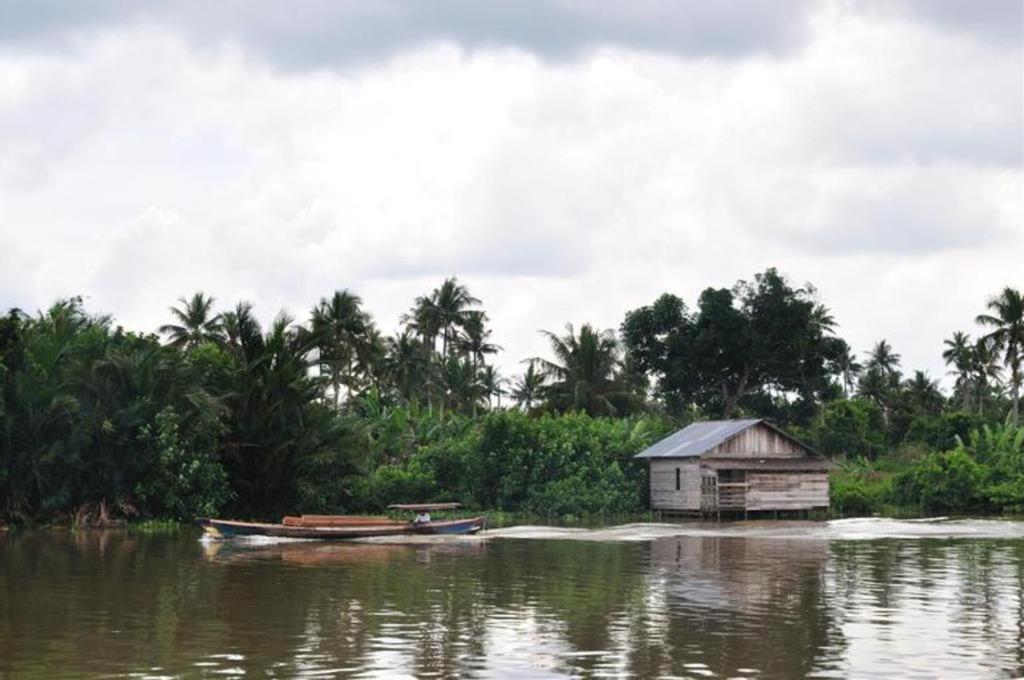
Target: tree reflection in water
<point>118,603</point>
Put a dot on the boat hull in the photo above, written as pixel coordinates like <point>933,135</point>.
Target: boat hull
<point>221,528</point>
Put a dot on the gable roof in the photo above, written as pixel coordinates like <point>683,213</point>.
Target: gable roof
<point>697,438</point>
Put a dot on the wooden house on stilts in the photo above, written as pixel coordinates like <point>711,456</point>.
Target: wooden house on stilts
<point>735,467</point>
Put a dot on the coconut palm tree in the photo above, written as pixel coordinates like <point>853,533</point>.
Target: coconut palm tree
<point>528,388</point>
<point>848,368</point>
<point>239,328</point>
<point>1006,322</point>
<point>405,365</point>
<point>986,371</point>
<point>882,357</point>
<point>341,328</point>
<point>474,340</point>
<point>875,385</point>
<point>459,383</point>
<point>583,373</point>
<point>492,385</point>
<point>196,324</point>
<point>959,354</point>
<point>452,302</point>
<point>924,393</point>
<point>425,320</point>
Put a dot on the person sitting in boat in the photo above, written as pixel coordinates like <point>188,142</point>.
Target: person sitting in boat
<point>422,510</point>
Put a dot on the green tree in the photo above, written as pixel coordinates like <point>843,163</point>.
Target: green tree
<point>883,358</point>
<point>406,365</point>
<point>195,323</point>
<point>582,376</point>
<point>846,366</point>
<point>986,369</point>
<point>492,385</point>
<point>1006,322</point>
<point>959,354</point>
<point>444,312</point>
<point>343,334</point>
<point>851,428</point>
<point>284,449</point>
<point>527,389</point>
<point>758,338</point>
<point>475,340</point>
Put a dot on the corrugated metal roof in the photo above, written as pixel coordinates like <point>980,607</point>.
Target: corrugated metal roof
<point>696,438</point>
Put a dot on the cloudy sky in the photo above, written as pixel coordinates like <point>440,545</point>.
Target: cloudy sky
<point>568,159</point>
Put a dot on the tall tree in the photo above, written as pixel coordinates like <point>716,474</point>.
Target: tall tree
<point>923,394</point>
<point>986,371</point>
<point>960,355</point>
<point>453,301</point>
<point>883,358</point>
<point>847,367</point>
<point>1006,321</point>
<point>758,337</point>
<point>405,365</point>
<point>342,334</point>
<point>195,323</point>
<point>582,375</point>
<point>492,385</point>
<point>527,389</point>
<point>474,342</point>
<point>442,313</point>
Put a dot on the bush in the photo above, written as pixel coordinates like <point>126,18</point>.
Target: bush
<point>858,491</point>
<point>943,482</point>
<point>390,484</point>
<point>549,465</point>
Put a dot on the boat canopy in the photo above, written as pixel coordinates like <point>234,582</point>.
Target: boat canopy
<point>424,507</point>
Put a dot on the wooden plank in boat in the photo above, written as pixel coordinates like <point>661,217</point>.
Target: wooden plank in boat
<point>338,521</point>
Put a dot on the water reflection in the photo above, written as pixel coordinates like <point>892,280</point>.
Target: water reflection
<point>114,603</point>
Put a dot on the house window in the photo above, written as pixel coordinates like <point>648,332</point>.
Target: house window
<point>678,485</point>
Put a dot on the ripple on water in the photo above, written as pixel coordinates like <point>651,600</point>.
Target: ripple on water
<point>771,600</point>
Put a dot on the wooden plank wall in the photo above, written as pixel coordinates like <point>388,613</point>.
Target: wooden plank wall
<point>758,441</point>
<point>787,490</point>
<point>663,484</point>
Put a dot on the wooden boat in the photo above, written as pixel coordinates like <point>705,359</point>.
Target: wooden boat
<point>348,526</point>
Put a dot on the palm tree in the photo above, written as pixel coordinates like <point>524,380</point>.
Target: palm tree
<point>528,388</point>
<point>405,365</point>
<point>341,329</point>
<point>195,325</point>
<point>986,371</point>
<point>239,328</point>
<point>1007,334</point>
<point>883,358</point>
<point>583,374</point>
<point>959,354</point>
<point>875,385</point>
<point>924,393</point>
<point>460,385</point>
<point>452,301</point>
<point>848,368</point>
<point>491,384</point>
<point>425,319</point>
<point>474,340</point>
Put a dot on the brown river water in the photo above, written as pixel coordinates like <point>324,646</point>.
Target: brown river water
<point>854,598</point>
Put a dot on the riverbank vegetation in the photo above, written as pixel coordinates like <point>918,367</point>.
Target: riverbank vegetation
<point>218,414</point>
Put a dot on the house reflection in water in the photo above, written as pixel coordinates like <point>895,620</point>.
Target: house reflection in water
<point>732,605</point>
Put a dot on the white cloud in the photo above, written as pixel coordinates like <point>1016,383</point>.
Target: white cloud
<point>877,161</point>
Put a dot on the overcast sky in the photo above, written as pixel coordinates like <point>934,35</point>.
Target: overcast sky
<point>568,159</point>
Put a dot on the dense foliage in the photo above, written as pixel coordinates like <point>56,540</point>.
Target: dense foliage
<point>219,414</point>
